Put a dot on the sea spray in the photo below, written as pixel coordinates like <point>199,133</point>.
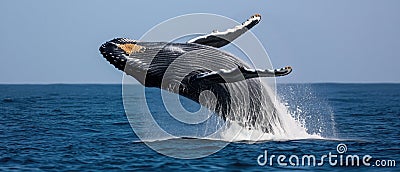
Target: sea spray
<point>309,108</point>
<point>282,124</point>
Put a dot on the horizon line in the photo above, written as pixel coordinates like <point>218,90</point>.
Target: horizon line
<point>100,83</point>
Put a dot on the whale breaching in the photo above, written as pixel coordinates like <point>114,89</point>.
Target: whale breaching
<point>190,69</point>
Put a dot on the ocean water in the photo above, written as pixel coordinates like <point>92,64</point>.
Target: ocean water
<point>84,127</point>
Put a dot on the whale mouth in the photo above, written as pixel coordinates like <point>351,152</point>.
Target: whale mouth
<point>117,51</point>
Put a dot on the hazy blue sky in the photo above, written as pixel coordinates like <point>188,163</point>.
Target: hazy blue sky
<point>323,40</point>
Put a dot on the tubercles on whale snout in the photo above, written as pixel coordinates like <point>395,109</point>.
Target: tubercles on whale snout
<point>117,51</point>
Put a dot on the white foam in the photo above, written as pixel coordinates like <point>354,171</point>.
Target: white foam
<point>289,129</point>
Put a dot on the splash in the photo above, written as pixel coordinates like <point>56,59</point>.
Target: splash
<point>288,124</point>
<point>309,108</point>
<point>285,126</point>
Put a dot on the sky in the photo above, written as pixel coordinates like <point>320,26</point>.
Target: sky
<point>351,41</point>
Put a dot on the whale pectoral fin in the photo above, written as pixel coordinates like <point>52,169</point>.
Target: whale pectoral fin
<point>220,39</point>
<point>238,74</point>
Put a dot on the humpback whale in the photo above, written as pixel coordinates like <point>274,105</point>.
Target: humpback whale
<point>196,67</point>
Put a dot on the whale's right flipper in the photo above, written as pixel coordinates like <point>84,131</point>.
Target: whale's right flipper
<point>220,39</point>
<point>238,74</point>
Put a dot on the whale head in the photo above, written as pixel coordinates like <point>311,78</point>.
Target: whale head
<point>117,51</point>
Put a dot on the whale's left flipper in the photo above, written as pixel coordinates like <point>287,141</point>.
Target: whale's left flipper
<point>220,39</point>
<point>238,74</point>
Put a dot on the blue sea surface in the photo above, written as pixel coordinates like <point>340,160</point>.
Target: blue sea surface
<point>84,128</point>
